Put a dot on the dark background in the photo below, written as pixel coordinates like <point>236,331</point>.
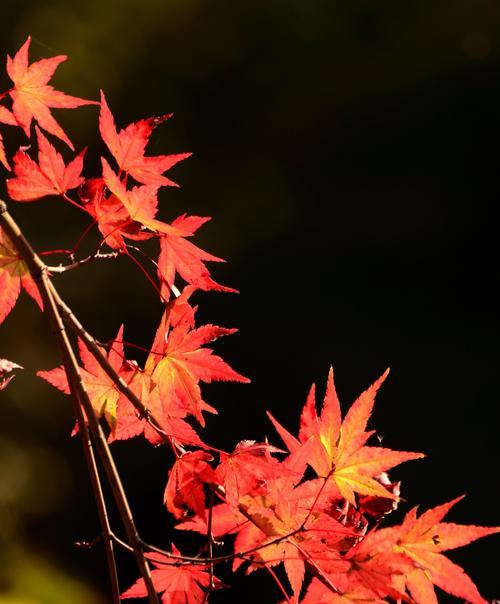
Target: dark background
<point>348,152</point>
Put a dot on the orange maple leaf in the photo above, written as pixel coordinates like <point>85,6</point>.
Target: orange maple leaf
<point>178,255</point>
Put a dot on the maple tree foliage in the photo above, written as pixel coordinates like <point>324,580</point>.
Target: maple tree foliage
<point>313,513</point>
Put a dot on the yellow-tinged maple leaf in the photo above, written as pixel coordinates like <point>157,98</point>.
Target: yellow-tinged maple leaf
<point>337,448</point>
<point>13,274</point>
<point>179,361</point>
<point>101,389</point>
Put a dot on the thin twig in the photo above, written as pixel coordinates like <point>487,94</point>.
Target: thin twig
<point>318,495</point>
<point>320,573</point>
<point>84,433</point>
<point>86,231</point>
<point>146,274</point>
<point>278,582</point>
<point>64,268</point>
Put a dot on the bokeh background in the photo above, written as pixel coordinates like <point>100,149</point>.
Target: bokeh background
<point>348,152</point>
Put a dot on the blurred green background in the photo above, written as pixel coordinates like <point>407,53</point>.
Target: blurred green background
<point>348,152</point>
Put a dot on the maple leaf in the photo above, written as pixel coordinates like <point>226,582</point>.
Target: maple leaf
<point>14,274</point>
<point>185,486</point>
<point>173,423</point>
<point>178,255</point>
<point>100,387</point>
<point>285,529</point>
<point>422,539</point>
<point>6,117</point>
<point>128,147</point>
<point>178,363</point>
<point>169,384</point>
<point>179,583</point>
<point>7,366</point>
<point>243,471</point>
<point>287,524</point>
<point>140,202</point>
<point>372,568</point>
<point>337,448</point>
<point>32,96</point>
<point>108,212</point>
<point>123,213</point>
<point>49,177</point>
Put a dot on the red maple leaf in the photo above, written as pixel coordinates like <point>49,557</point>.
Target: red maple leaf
<point>122,212</point>
<point>185,486</point>
<point>178,255</point>
<point>128,147</point>
<point>49,177</point>
<point>337,448</point>
<point>179,583</point>
<point>140,202</point>
<point>13,274</point>
<point>112,218</point>
<point>243,471</point>
<point>32,96</point>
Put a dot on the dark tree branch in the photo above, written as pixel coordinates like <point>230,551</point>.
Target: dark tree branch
<point>80,397</point>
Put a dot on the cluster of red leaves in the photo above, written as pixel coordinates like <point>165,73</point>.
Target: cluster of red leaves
<point>316,508</point>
